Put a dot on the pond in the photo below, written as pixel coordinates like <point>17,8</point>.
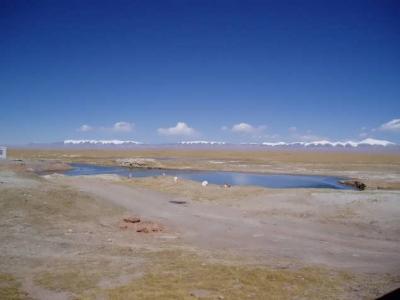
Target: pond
<point>217,177</point>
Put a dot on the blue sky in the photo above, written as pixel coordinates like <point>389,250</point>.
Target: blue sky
<point>162,71</point>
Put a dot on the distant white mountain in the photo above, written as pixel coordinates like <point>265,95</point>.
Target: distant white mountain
<point>375,142</point>
<point>202,143</point>
<point>369,142</point>
<point>101,142</point>
<point>365,142</point>
<point>273,144</point>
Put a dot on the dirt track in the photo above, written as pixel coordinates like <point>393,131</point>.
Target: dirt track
<point>261,228</point>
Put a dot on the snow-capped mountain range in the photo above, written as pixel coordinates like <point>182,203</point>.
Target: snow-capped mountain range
<point>323,143</point>
<point>365,142</point>
<point>202,143</point>
<point>101,142</point>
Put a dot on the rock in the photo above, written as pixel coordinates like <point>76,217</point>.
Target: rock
<point>200,293</point>
<point>132,220</point>
<point>138,163</point>
<point>147,227</point>
<point>177,202</point>
<point>354,183</point>
<point>137,225</point>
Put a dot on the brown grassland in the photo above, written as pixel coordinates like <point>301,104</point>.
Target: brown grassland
<point>61,241</point>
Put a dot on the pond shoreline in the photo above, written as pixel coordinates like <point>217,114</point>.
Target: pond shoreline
<point>267,180</point>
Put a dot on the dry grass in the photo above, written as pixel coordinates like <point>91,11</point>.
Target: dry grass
<point>193,190</point>
<point>279,156</point>
<point>81,277</point>
<point>10,289</point>
<point>54,207</point>
<point>336,160</point>
<point>76,281</point>
<point>175,275</point>
<point>178,274</point>
<point>37,222</point>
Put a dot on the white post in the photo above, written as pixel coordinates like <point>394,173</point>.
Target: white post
<point>3,152</point>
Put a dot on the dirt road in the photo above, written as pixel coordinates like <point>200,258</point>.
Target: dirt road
<point>249,229</point>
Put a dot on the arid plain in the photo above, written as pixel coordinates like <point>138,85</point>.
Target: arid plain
<point>65,237</point>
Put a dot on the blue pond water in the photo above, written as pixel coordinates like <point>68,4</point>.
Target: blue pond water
<point>218,177</point>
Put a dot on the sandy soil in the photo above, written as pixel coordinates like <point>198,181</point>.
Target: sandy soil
<point>61,237</point>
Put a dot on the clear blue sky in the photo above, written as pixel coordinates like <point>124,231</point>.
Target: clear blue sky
<point>290,70</point>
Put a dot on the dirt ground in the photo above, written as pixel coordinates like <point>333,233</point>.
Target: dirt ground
<point>61,237</point>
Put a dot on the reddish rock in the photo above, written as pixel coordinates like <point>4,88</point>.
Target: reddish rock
<point>135,224</point>
<point>132,220</point>
<point>147,227</point>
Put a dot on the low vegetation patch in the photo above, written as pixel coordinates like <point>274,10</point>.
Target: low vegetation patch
<point>10,289</point>
<point>53,207</point>
<point>71,279</point>
<point>182,275</point>
<point>193,190</point>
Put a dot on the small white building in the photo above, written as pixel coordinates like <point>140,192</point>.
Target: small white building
<point>3,152</point>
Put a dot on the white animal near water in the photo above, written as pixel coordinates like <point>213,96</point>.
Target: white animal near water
<point>204,183</point>
<point>175,179</point>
